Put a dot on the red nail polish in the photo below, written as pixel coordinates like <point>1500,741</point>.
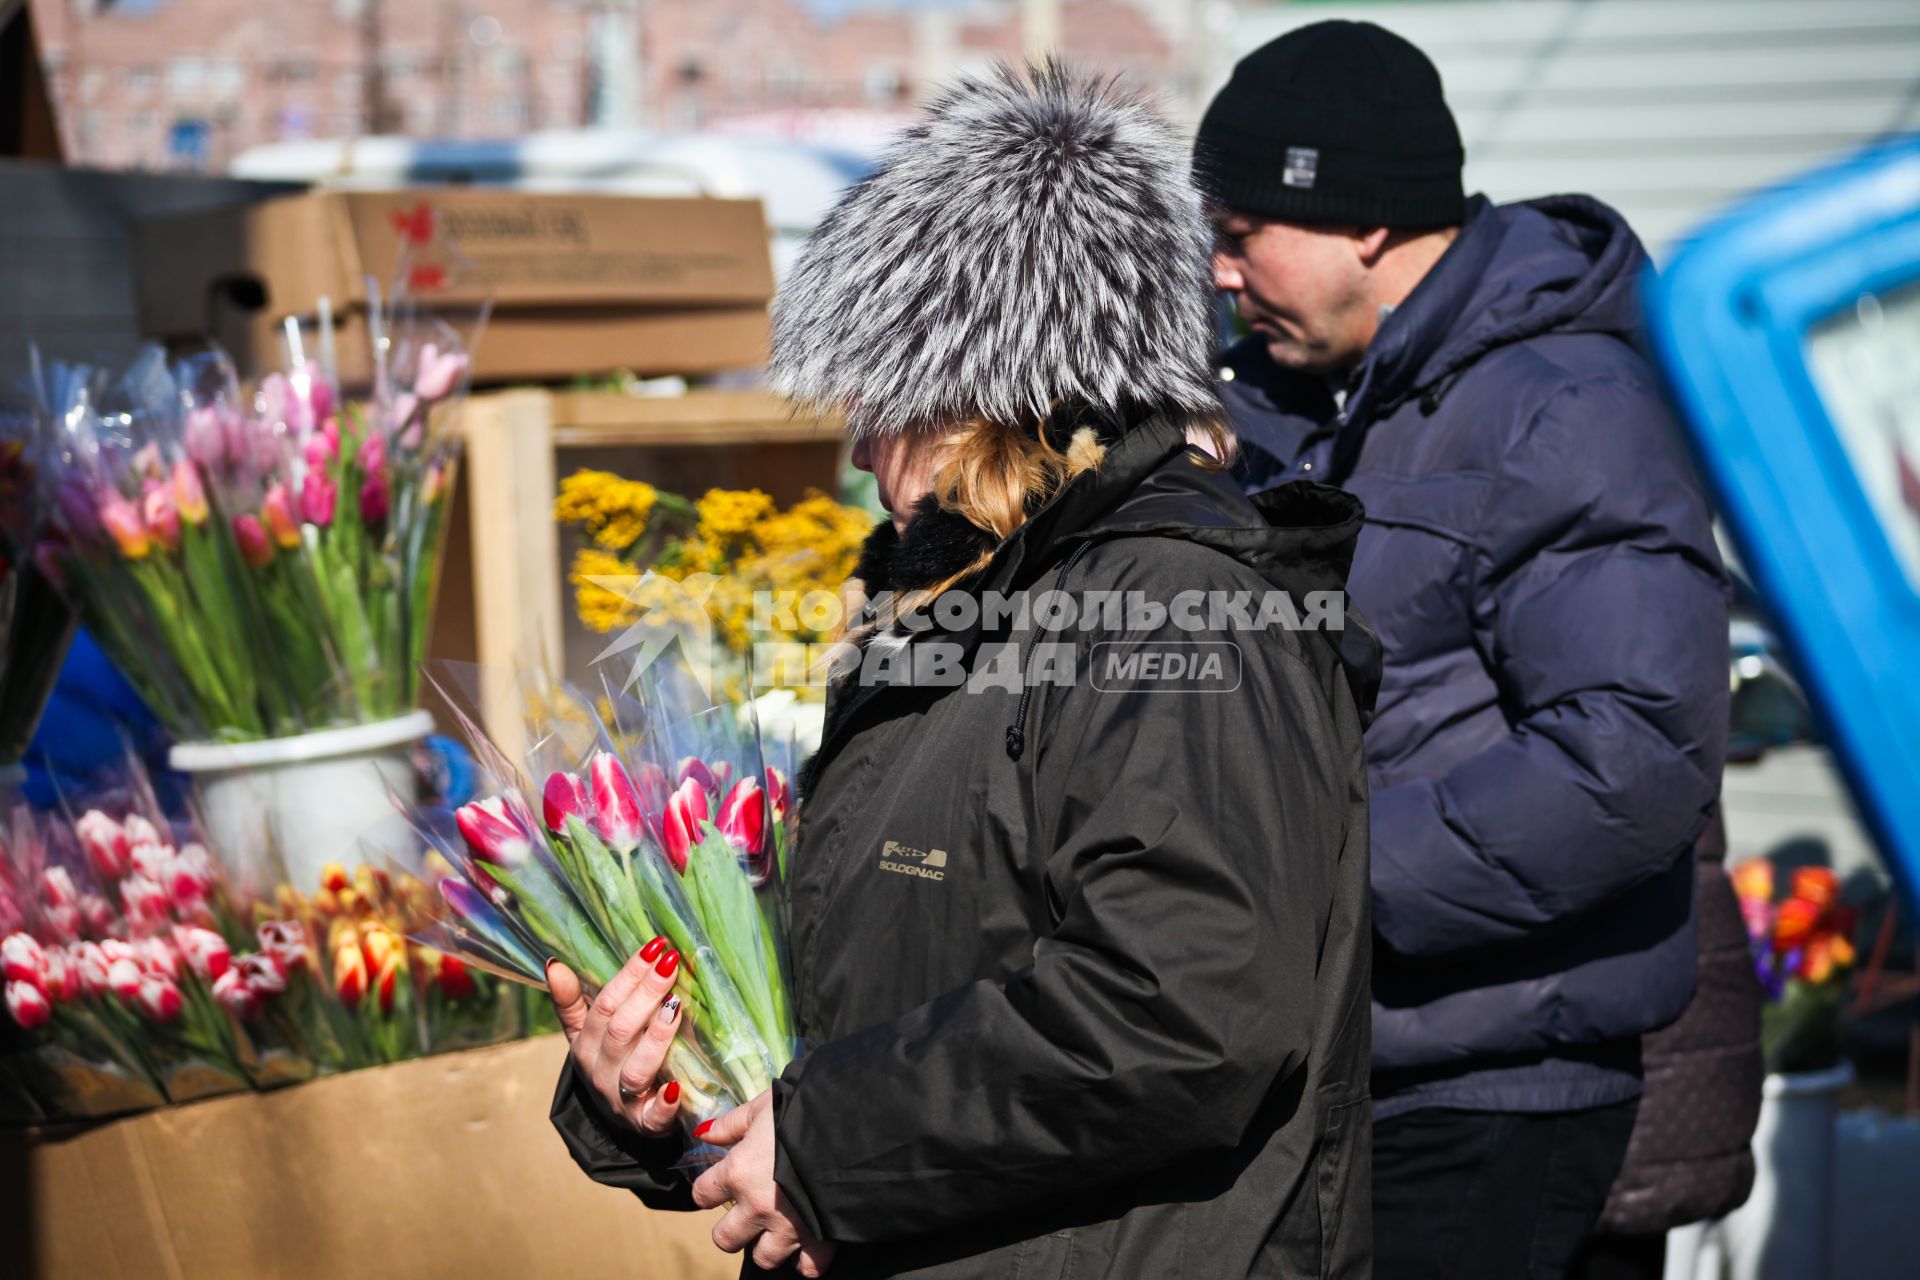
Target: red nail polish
<point>668,963</point>
<point>652,950</point>
<point>672,1092</point>
<point>700,1130</point>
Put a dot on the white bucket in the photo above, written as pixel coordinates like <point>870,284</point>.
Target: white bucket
<point>1785,1229</point>
<point>316,797</point>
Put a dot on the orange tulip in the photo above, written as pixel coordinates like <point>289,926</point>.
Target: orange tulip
<point>1795,924</point>
<point>1817,885</point>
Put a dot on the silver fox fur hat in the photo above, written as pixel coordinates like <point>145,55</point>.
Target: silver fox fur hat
<point>1035,239</point>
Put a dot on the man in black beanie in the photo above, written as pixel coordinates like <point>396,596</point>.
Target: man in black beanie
<point>1539,562</point>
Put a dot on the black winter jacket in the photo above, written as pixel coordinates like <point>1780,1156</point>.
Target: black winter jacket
<point>1089,999</point>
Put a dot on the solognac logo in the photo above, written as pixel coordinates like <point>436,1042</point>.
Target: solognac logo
<point>928,864</point>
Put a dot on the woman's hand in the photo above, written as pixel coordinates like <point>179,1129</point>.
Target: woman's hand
<point>619,1040</point>
<point>760,1214</point>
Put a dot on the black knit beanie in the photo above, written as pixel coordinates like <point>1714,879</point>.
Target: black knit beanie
<point>1338,122</point>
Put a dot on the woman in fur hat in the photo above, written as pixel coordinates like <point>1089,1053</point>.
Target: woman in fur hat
<point>1081,948</point>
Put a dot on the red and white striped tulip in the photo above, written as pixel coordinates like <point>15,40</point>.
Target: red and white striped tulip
<point>616,804</point>
<point>88,964</point>
<point>22,959</point>
<point>56,888</point>
<point>495,831</point>
<point>779,793</point>
<point>680,825</point>
<point>28,1005</point>
<point>105,842</point>
<point>231,990</point>
<point>263,973</point>
<point>159,998</point>
<point>158,957</point>
<point>207,952</point>
<point>286,942</point>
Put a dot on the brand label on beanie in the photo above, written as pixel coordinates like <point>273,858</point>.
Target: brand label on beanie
<point>1302,164</point>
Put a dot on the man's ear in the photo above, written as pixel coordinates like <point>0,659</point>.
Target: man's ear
<point>1370,242</point>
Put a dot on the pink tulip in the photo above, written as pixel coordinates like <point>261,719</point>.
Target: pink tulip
<point>121,519</point>
<point>374,499</point>
<point>159,998</point>
<point>373,452</point>
<point>207,952</point>
<point>438,372</point>
<point>188,495</point>
<point>251,537</point>
<point>105,843</point>
<point>680,826</point>
<point>405,405</point>
<point>28,1005</point>
<point>161,516</point>
<point>286,942</point>
<point>743,817</point>
<point>616,805</point>
<point>319,452</point>
<point>207,433</point>
<point>278,509</point>
<point>23,960</point>
<point>494,831</point>
<point>564,796</point>
<point>695,768</point>
<point>317,496</point>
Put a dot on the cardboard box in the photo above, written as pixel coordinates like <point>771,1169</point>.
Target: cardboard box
<point>579,284</point>
<point>443,1167</point>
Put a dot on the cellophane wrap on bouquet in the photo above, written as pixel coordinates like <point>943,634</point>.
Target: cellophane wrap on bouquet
<point>259,565</point>
<point>35,623</point>
<point>629,835</point>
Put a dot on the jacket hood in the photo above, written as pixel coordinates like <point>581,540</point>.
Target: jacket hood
<point>1035,239</point>
<point>1559,264</point>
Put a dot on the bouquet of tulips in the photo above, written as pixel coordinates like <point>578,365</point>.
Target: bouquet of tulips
<point>1803,950</point>
<point>617,849</point>
<point>257,565</point>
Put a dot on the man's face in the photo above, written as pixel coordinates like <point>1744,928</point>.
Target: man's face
<point>1302,289</point>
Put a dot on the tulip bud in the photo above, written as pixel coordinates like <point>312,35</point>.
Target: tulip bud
<point>158,957</point>
<point>63,922</point>
<point>255,548</point>
<point>140,831</point>
<point>28,1005</point>
<point>62,982</point>
<point>231,990</point>
<point>743,817</point>
<point>494,832</point>
<point>319,451</point>
<point>334,877</point>
<point>695,768</point>
<point>190,876</point>
<point>373,452</point>
<point>188,496</point>
<point>123,978</point>
<point>263,974</point>
<point>286,942</point>
<point>56,888</point>
<point>23,960</point>
<point>122,520</point>
<point>207,952</point>
<point>161,516</point>
<point>374,498</point>
<point>147,904</point>
<point>616,805</point>
<point>680,826</point>
<point>105,844</point>
<point>159,998</point>
<point>350,975</point>
<point>437,372</point>
<point>317,497</point>
<point>433,483</point>
<point>118,949</point>
<point>98,913</point>
<point>206,433</point>
<point>277,507</point>
<point>779,793</point>
<point>456,980</point>
<point>89,966</point>
<point>564,796</point>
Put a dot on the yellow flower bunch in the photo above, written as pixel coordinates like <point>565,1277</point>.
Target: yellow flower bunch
<point>739,537</point>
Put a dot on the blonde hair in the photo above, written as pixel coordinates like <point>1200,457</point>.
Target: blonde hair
<point>994,477</point>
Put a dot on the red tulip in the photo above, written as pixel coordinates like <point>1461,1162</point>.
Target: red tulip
<point>743,816</point>
<point>680,826</point>
<point>159,998</point>
<point>616,805</point>
<point>494,831</point>
<point>28,1005</point>
<point>251,537</point>
<point>565,796</point>
<point>23,960</point>
<point>456,981</point>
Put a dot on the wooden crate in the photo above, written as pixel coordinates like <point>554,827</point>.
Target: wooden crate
<point>504,601</point>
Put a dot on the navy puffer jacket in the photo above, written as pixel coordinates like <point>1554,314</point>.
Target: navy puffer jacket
<point>1539,561</point>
